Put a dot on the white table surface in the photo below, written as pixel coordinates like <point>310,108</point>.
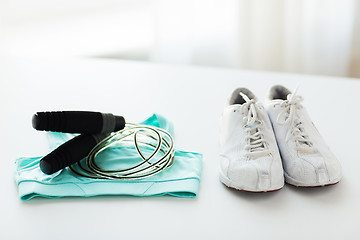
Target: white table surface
<point>192,98</point>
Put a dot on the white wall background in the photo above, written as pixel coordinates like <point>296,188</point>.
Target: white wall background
<point>303,36</point>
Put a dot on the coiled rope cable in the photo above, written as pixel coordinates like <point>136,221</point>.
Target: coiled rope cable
<point>144,138</point>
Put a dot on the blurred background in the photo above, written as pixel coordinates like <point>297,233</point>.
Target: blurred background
<point>301,36</point>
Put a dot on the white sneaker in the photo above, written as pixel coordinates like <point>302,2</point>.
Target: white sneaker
<point>307,160</point>
<point>250,160</point>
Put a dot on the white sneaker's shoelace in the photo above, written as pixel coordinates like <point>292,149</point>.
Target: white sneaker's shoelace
<point>296,130</point>
<point>256,144</point>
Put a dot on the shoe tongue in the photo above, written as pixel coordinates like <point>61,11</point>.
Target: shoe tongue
<point>276,101</point>
<point>236,98</point>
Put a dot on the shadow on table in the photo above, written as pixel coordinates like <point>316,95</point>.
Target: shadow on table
<point>252,195</point>
<point>332,194</point>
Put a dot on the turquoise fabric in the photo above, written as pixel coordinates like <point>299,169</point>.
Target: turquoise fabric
<point>182,179</point>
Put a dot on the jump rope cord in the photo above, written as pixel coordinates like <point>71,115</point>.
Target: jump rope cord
<point>142,136</point>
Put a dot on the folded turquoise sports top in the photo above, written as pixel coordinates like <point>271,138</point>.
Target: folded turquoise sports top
<point>182,179</point>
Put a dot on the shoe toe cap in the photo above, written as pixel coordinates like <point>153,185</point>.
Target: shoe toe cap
<point>244,176</point>
<point>334,170</point>
<point>255,177</point>
<point>314,172</point>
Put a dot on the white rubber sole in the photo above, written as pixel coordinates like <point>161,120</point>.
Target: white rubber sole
<point>297,183</point>
<point>227,182</point>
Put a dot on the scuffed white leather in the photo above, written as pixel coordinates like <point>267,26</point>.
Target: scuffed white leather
<point>304,169</point>
<point>236,169</point>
